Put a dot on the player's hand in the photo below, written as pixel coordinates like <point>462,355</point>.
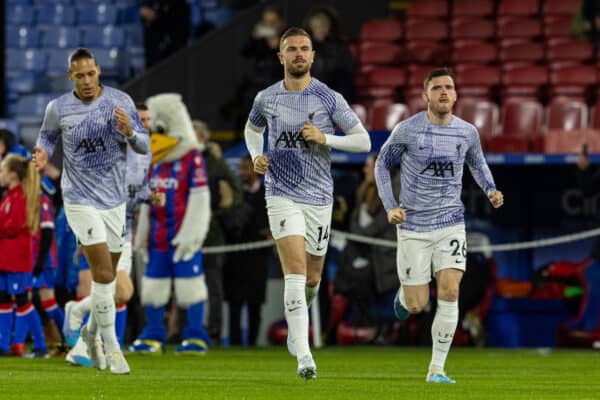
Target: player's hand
<point>158,199</point>
<point>261,164</point>
<point>39,157</point>
<point>396,216</point>
<point>123,122</point>
<point>496,198</point>
<point>311,133</point>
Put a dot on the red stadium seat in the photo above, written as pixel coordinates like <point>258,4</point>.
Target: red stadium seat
<point>483,114</point>
<point>521,127</point>
<point>566,142</point>
<point>426,29</point>
<point>380,92</point>
<point>387,76</point>
<point>416,76</point>
<point>386,116</point>
<point>561,7</point>
<point>476,80</point>
<point>476,52</point>
<point>595,122</point>
<point>561,49</point>
<point>361,112</point>
<point>380,53</point>
<point>511,26</point>
<point>565,114</point>
<point>558,26</point>
<point>382,29</point>
<point>528,51</point>
<point>572,80</point>
<point>416,104</point>
<point>472,28</point>
<point>518,7</point>
<point>524,80</point>
<point>473,8</point>
<point>427,9</point>
<point>427,51</point>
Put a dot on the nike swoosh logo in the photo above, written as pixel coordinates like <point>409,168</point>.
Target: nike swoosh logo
<point>458,261</point>
<point>293,309</point>
<point>443,342</point>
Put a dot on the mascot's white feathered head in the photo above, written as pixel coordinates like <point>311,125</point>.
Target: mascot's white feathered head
<point>172,135</point>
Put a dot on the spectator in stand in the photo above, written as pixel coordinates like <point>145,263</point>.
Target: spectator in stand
<point>367,275</point>
<point>246,271</point>
<point>166,28</point>
<point>225,193</point>
<point>333,63</point>
<point>591,12</point>
<point>261,51</point>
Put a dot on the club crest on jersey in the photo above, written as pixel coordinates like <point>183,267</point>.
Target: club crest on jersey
<point>291,140</point>
<point>91,145</point>
<point>177,166</point>
<point>439,168</point>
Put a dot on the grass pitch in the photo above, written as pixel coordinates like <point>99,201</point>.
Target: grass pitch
<point>343,373</point>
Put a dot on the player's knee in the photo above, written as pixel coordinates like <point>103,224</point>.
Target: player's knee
<point>190,290</point>
<point>312,281</point>
<point>155,292</point>
<point>105,275</point>
<point>448,293</point>
<point>415,306</point>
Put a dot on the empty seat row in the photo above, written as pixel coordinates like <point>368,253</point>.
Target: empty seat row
<point>483,8</point>
<point>69,37</point>
<point>101,13</point>
<point>464,51</point>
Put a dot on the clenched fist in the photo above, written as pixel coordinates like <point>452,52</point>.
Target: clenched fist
<point>396,216</point>
<point>496,198</point>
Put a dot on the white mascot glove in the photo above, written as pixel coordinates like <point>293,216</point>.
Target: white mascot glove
<point>194,228</point>
<point>140,242</point>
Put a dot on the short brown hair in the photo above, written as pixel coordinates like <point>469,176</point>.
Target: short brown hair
<point>294,31</point>
<point>438,72</point>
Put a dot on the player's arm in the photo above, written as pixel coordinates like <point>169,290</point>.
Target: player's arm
<point>356,138</point>
<point>130,126</point>
<point>481,171</point>
<point>389,155</point>
<point>254,136</point>
<point>48,136</point>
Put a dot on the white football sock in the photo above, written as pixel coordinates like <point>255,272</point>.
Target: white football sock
<point>296,312</point>
<point>104,313</point>
<point>442,332</point>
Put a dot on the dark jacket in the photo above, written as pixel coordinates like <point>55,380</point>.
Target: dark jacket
<point>217,170</point>
<point>245,272</point>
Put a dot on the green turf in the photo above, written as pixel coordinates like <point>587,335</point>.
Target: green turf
<point>343,373</point>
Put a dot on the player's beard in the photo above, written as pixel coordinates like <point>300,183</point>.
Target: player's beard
<point>298,72</point>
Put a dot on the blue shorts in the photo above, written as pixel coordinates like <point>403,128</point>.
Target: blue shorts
<point>15,282</point>
<point>46,280</point>
<point>161,265</point>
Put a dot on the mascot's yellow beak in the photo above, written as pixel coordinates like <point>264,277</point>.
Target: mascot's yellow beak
<point>161,145</point>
